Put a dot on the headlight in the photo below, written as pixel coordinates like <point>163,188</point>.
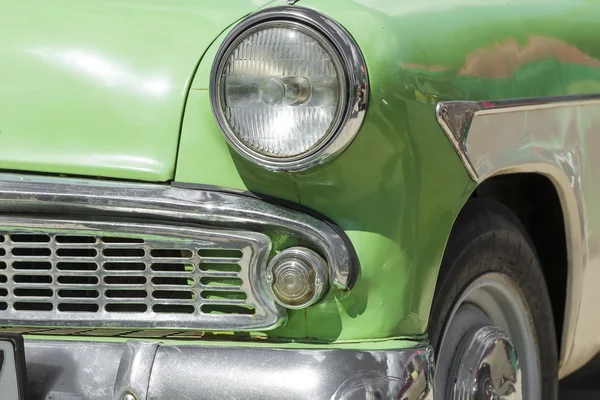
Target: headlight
<point>289,88</point>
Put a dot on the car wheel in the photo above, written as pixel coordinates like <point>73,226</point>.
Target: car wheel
<point>491,322</point>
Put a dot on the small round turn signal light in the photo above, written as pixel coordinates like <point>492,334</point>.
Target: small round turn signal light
<point>298,277</point>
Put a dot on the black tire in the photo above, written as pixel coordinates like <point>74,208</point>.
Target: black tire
<point>487,237</point>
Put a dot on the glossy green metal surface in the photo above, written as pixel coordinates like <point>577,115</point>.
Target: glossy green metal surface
<point>399,186</point>
<point>384,191</point>
<point>98,87</point>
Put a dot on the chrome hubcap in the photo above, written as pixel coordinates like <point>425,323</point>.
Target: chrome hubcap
<point>488,327</point>
<point>488,368</point>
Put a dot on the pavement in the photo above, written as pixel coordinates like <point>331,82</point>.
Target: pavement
<point>583,384</point>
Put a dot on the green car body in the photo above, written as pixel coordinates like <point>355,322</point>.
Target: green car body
<point>117,90</point>
<point>119,133</point>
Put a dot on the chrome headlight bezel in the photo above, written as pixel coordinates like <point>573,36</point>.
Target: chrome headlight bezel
<point>354,79</point>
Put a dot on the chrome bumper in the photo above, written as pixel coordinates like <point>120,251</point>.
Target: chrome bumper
<point>71,370</point>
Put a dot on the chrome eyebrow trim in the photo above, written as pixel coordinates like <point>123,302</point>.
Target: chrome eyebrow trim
<point>40,194</point>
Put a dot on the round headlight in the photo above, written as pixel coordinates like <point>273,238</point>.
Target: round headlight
<point>288,90</point>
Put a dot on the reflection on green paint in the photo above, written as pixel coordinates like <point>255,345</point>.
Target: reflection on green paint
<point>397,189</point>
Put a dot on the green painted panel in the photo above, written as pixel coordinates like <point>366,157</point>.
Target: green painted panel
<point>204,155</point>
<point>98,87</point>
<point>398,188</point>
<point>384,191</point>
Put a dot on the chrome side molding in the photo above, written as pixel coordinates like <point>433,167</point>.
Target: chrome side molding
<point>456,119</point>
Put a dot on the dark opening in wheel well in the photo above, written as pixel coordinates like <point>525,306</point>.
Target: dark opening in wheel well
<point>534,200</point>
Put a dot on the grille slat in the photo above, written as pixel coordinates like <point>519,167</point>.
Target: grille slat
<point>123,300</point>
<point>24,245</point>
<point>127,286</point>
<point>38,297</point>
<point>226,301</point>
<point>172,287</point>
<point>77,245</point>
<point>219,274</point>
<point>180,262</point>
<point>29,279</point>
<point>176,274</point>
<point>224,288</point>
<point>223,260</point>
<point>214,288</point>
<point>121,259</point>
<point>174,301</point>
<point>71,273</point>
<point>63,272</point>
<point>87,300</point>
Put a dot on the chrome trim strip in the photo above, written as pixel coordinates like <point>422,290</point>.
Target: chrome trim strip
<point>544,136</point>
<point>34,194</point>
<point>356,79</point>
<point>455,119</point>
<point>95,371</point>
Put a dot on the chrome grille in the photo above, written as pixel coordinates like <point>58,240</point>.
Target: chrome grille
<point>130,275</point>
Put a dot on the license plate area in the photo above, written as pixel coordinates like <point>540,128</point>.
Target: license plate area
<point>13,375</point>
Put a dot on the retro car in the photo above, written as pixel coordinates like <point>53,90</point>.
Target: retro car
<point>313,199</point>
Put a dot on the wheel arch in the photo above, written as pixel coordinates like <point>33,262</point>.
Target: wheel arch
<point>558,241</point>
<point>547,136</point>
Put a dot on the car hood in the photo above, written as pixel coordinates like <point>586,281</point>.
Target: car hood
<point>98,87</point>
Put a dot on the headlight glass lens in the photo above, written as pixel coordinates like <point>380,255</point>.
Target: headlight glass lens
<point>282,90</point>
